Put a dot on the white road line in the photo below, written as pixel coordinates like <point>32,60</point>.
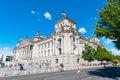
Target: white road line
<point>87,78</point>
<point>51,78</point>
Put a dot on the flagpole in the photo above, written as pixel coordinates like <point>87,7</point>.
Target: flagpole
<point>64,14</point>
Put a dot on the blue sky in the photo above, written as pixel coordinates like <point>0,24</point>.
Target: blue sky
<point>22,18</point>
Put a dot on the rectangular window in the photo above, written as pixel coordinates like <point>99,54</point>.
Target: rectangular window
<point>44,46</point>
<point>59,41</point>
<point>48,45</point>
<point>48,52</point>
<point>51,44</point>
<point>73,39</point>
<point>60,51</point>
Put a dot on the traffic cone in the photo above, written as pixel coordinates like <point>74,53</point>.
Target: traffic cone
<point>78,70</point>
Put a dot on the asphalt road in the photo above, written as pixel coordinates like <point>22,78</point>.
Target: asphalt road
<point>107,73</point>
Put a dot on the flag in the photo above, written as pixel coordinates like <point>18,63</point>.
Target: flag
<point>63,13</point>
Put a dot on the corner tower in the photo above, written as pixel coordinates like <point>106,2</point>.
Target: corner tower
<point>66,39</point>
<point>64,24</point>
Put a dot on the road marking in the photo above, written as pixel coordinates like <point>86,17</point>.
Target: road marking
<point>87,78</point>
<point>51,78</point>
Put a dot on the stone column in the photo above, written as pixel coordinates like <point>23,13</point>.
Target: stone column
<point>62,44</point>
<point>54,45</point>
<point>28,51</point>
<point>78,44</point>
<point>24,52</point>
<point>72,44</point>
<point>20,54</point>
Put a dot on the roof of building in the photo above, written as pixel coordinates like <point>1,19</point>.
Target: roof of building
<point>64,19</point>
<point>38,38</point>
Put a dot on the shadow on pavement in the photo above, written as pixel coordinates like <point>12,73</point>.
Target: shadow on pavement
<point>108,72</point>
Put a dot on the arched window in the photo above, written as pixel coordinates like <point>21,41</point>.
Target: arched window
<point>59,41</point>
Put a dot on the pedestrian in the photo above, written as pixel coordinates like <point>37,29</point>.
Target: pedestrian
<point>21,66</point>
<point>78,70</point>
<point>40,66</point>
<point>61,67</point>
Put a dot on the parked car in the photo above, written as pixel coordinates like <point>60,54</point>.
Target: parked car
<point>116,63</point>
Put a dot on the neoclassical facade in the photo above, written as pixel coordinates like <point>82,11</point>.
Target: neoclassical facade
<point>64,45</point>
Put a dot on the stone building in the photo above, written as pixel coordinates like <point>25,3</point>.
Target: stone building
<point>64,45</point>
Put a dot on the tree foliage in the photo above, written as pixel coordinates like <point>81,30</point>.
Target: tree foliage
<point>108,24</point>
<point>99,54</point>
<point>88,53</point>
<point>116,57</point>
<point>103,54</point>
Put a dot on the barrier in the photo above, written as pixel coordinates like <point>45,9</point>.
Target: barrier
<point>35,71</point>
<point>26,72</point>
<point>2,74</point>
<point>15,73</point>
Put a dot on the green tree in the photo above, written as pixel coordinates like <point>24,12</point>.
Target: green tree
<point>100,55</point>
<point>88,53</point>
<point>108,24</point>
<point>116,57</point>
<point>103,54</point>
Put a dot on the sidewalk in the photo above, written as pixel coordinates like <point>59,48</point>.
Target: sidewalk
<point>14,71</point>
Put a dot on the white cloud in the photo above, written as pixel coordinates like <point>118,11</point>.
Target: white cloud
<point>47,15</point>
<point>33,11</point>
<point>115,51</point>
<point>82,30</point>
<point>6,51</point>
<point>6,48</point>
<point>107,41</point>
<point>95,18</point>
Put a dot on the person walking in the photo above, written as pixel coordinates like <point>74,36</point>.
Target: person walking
<point>21,66</point>
<point>61,67</point>
<point>40,66</point>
